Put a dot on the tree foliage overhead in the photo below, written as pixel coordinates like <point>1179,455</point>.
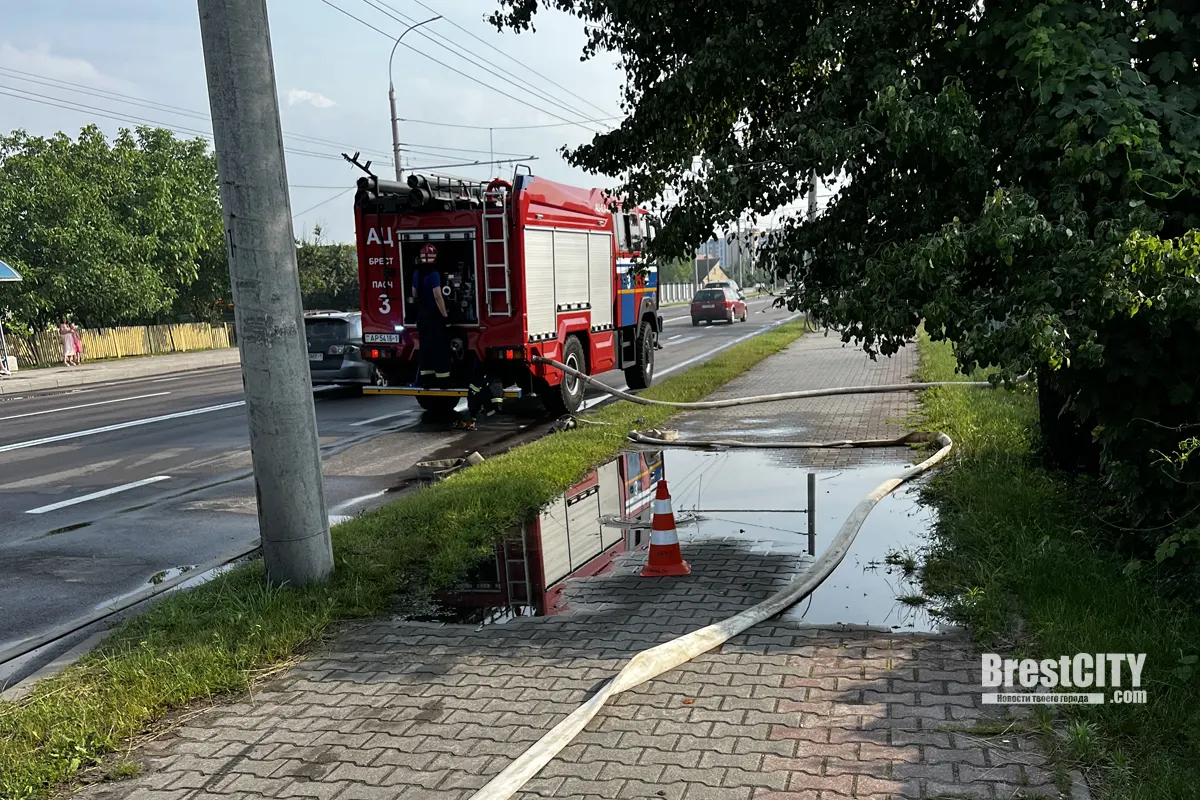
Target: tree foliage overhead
<point>127,232</point>
<point>1020,175</point>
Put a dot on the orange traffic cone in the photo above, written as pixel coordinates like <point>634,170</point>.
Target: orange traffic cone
<point>665,558</point>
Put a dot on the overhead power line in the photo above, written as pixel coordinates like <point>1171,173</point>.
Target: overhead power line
<point>109,114</point>
<point>323,202</point>
<point>104,94</point>
<point>455,70</point>
<point>516,61</point>
<point>499,127</point>
<point>474,60</point>
<point>459,149</point>
<point>473,163</point>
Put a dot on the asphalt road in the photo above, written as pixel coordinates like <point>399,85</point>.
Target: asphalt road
<point>105,487</point>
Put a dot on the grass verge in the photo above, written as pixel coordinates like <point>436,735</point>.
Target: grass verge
<point>1020,557</point>
<point>222,636</point>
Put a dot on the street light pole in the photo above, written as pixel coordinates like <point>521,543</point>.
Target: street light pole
<point>392,98</point>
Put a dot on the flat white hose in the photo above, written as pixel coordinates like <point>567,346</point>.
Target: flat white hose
<point>762,398</point>
<point>651,663</point>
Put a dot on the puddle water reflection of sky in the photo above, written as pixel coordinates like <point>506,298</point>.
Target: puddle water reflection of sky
<point>863,590</point>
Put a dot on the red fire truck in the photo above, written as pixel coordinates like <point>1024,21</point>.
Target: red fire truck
<point>531,566</point>
<point>528,268</point>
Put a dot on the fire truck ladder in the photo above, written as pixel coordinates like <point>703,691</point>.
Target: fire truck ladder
<point>517,597</point>
<point>495,215</point>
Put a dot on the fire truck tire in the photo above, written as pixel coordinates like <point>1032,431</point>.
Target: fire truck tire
<point>441,406</point>
<point>567,397</point>
<point>641,373</point>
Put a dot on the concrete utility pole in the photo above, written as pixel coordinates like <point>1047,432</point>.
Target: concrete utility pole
<point>392,98</point>
<point>292,520</point>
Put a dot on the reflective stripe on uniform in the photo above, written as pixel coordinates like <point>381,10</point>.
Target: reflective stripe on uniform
<point>441,374</point>
<point>475,388</point>
<point>426,372</point>
<point>664,537</point>
<point>497,399</point>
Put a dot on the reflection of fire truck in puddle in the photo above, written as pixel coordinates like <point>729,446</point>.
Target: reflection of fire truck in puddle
<point>530,567</point>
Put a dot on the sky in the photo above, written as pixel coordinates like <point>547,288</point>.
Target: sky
<point>140,61</point>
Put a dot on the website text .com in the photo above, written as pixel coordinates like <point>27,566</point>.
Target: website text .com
<point>1118,697</point>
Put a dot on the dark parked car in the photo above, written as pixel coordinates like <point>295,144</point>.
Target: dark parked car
<point>335,350</point>
<point>710,305</point>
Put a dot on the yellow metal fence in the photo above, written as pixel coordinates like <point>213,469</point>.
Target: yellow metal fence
<point>45,349</point>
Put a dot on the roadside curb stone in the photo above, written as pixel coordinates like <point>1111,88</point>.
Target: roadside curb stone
<point>51,378</point>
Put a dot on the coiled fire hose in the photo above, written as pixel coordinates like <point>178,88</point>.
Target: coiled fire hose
<point>651,663</point>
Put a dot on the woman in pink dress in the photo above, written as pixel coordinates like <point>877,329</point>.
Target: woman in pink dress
<point>67,336</point>
<point>78,344</point>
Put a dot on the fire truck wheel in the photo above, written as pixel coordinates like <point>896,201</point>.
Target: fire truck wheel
<point>641,373</point>
<point>568,395</point>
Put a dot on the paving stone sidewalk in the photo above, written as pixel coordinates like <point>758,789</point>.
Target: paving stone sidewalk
<point>397,709</point>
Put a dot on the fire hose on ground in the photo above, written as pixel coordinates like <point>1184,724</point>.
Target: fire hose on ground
<point>651,663</point>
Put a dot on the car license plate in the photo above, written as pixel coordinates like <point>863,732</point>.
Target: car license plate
<point>708,305</point>
<point>316,356</point>
<point>371,338</point>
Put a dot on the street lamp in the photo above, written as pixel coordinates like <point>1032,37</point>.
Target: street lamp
<point>392,97</point>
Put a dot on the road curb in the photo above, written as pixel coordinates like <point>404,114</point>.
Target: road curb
<point>150,366</point>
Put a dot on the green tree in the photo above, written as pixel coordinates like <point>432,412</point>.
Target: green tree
<point>109,233</point>
<point>677,270</point>
<point>328,273</point>
<point>1020,175</point>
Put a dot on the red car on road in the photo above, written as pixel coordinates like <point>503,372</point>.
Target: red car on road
<point>711,305</point>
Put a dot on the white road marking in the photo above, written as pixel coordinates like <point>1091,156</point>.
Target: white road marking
<point>381,418</point>
<point>119,426</point>
<point>595,401</point>
<point>85,405</point>
<point>94,495</point>
<point>676,336</point>
<point>726,346</point>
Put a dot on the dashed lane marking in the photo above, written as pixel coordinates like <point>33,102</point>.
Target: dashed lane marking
<point>96,495</point>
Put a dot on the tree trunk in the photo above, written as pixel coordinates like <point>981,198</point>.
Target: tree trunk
<point>1067,442</point>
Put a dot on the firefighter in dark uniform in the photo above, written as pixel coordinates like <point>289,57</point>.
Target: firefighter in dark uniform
<point>484,394</point>
<point>434,349</point>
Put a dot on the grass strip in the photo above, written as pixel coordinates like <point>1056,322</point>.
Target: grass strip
<point>219,637</point>
<point>1020,557</point>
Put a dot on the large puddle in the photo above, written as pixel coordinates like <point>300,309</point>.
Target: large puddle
<point>759,496</point>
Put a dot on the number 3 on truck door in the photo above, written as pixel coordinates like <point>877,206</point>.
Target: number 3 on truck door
<point>385,305</point>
